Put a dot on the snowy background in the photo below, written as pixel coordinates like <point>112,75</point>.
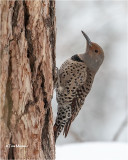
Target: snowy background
<point>93,151</point>
<point>105,108</point>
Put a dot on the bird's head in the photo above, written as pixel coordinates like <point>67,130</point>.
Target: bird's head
<point>93,56</point>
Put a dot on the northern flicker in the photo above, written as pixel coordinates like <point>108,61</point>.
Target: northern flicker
<point>75,78</point>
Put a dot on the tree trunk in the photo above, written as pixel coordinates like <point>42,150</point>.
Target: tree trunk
<point>27,70</point>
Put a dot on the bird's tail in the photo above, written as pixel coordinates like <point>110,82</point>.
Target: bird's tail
<point>63,116</point>
<point>57,131</point>
<point>66,128</point>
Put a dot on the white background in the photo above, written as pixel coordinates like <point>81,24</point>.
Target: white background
<point>105,108</point>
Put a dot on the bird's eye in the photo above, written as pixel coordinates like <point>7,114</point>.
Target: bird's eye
<point>96,51</point>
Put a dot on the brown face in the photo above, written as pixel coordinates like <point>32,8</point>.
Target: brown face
<point>95,49</point>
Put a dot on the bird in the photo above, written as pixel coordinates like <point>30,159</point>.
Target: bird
<point>74,81</point>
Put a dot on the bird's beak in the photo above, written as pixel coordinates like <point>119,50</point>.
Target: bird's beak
<point>89,43</point>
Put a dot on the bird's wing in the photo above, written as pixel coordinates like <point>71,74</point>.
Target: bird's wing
<point>76,105</point>
<point>79,99</point>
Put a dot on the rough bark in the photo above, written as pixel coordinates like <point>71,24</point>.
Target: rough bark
<point>27,67</point>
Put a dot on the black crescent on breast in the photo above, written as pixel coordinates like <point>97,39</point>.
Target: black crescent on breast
<point>76,58</point>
